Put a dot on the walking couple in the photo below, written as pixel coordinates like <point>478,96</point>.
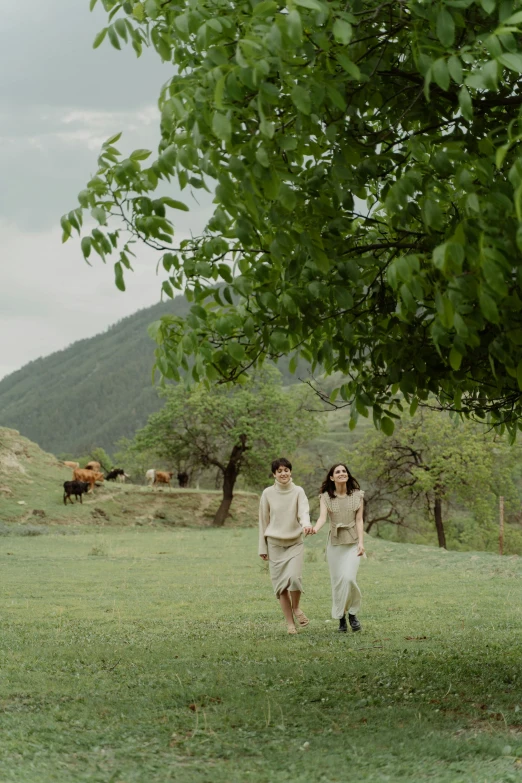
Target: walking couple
<point>284,516</point>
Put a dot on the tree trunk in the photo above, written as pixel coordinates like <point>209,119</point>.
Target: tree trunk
<point>230,475</point>
<point>439,524</point>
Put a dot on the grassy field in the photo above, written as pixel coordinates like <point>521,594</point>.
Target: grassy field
<point>154,655</point>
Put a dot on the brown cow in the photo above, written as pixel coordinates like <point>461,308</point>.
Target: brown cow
<point>72,465</point>
<point>162,477</point>
<point>90,476</point>
<point>93,465</point>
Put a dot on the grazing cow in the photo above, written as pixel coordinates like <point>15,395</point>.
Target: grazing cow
<point>72,465</point>
<point>90,476</point>
<point>121,478</point>
<point>162,477</point>
<point>76,488</point>
<point>93,466</point>
<point>114,474</point>
<point>183,479</point>
<point>150,475</point>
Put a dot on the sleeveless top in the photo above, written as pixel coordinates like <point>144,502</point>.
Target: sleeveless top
<point>341,513</point>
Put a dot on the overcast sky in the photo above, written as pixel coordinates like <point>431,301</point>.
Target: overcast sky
<point>59,100</point>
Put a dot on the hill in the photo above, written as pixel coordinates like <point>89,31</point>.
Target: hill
<point>31,493</point>
<point>92,393</point>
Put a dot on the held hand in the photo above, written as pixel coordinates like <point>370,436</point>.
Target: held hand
<point>308,531</point>
<point>360,549</point>
<point>263,557</point>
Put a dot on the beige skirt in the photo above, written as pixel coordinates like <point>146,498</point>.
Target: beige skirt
<point>286,566</point>
<point>344,564</point>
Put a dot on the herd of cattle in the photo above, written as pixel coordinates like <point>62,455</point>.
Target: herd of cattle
<point>84,479</point>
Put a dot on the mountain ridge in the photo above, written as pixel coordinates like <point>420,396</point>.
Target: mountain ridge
<point>95,391</point>
<point>91,393</point>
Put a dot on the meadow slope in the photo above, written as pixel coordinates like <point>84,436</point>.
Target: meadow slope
<point>31,493</point>
<point>154,655</point>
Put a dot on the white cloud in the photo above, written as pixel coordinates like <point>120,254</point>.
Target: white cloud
<point>59,100</point>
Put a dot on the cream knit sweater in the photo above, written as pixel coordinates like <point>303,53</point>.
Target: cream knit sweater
<point>283,513</point>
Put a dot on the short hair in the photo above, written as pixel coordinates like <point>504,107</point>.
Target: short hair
<point>281,463</point>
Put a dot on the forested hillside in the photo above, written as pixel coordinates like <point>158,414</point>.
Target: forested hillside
<point>92,393</point>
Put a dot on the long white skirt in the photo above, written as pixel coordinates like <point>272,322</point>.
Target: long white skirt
<point>344,564</point>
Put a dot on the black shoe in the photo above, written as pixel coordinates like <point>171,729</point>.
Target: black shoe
<point>342,624</point>
<point>355,625</point>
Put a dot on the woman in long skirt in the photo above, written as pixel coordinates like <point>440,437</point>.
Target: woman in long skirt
<point>342,503</point>
<point>283,517</point>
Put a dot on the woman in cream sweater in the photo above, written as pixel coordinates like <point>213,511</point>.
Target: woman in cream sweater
<point>284,515</point>
<point>341,502</point>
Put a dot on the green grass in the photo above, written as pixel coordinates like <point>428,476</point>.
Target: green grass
<point>157,655</point>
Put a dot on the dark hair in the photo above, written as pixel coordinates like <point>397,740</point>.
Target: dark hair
<point>281,463</point>
<point>328,484</point>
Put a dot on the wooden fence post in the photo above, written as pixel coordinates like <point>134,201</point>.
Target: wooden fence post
<point>501,527</point>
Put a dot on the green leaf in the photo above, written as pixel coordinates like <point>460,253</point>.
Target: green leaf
<point>440,73</point>
<point>113,139</point>
<point>265,8</point>
<point>455,69</point>
<point>99,38</point>
<point>219,91</point>
<point>489,308</point>
<point>262,157</point>
<point>465,103</point>
<point>221,126</point>
<point>236,351</point>
<point>455,359</point>
<point>294,27</point>
<point>301,99</point>
<point>170,202</point>
<point>113,37</point>
<point>513,20</point>
<point>86,246</point>
<point>511,61</point>
<point>387,426</point>
<point>118,274</point>
<point>342,31</point>
<point>347,65</point>
<point>287,197</point>
<point>138,12</point>
<point>151,8</point>
<point>121,29</point>
<point>501,154</point>
<point>313,5</point>
<point>99,214</point>
<point>494,277</point>
<point>140,154</point>
<point>445,28</point>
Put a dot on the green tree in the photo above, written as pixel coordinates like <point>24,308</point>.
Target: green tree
<point>366,166</point>
<point>237,430</point>
<point>432,462</point>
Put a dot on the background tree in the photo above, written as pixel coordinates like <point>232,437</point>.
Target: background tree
<point>368,193</point>
<point>430,462</point>
<point>237,430</point>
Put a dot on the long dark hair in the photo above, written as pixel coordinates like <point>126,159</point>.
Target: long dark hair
<point>328,484</point>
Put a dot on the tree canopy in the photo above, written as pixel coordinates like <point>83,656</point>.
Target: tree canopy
<point>365,164</point>
<point>237,430</point>
<point>431,465</point>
